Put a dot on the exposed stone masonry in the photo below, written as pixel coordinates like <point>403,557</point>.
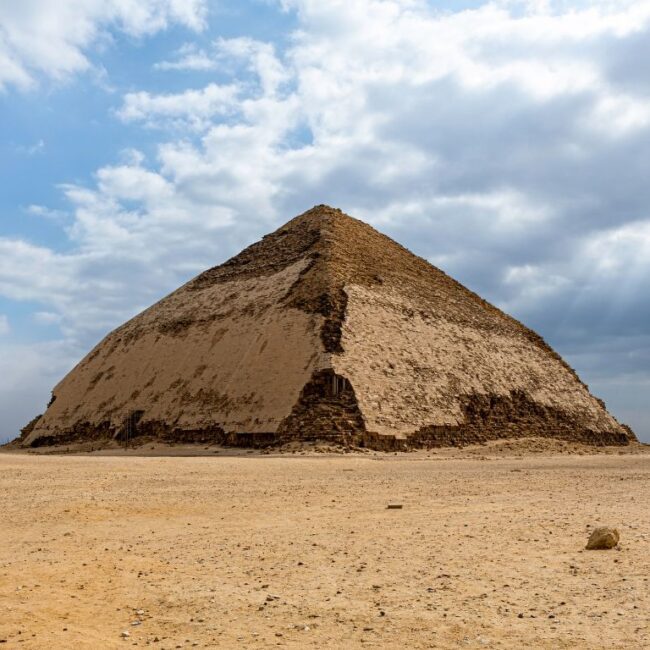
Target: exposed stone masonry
<point>327,409</point>
<point>492,417</point>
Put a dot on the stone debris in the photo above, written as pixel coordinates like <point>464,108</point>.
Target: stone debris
<point>603,538</point>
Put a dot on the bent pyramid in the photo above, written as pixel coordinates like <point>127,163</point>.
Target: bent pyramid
<point>324,329</point>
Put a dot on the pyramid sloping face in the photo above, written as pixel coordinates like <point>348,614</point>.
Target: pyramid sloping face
<point>324,329</point>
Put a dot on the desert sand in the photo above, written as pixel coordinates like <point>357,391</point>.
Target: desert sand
<point>246,550</point>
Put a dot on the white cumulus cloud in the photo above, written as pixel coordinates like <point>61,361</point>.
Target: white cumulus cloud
<point>193,108</point>
<point>52,38</point>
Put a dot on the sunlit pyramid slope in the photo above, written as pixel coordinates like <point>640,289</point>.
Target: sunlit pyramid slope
<point>325,329</point>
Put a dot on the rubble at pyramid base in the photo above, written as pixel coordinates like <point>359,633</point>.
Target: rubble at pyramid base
<point>327,412</point>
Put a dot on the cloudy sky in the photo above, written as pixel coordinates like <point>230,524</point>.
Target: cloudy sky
<point>508,142</point>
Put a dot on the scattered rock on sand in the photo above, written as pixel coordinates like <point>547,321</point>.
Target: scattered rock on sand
<point>603,538</point>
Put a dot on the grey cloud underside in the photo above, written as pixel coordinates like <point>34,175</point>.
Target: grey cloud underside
<point>626,62</point>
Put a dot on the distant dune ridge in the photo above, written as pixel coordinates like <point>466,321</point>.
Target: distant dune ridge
<point>325,329</point>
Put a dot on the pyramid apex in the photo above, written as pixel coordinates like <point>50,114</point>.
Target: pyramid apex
<point>319,217</point>
<point>327,209</point>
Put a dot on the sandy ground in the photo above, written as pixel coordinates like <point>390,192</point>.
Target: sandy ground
<point>255,551</point>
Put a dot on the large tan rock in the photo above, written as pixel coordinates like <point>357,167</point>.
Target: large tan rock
<point>324,329</point>
<point>603,538</point>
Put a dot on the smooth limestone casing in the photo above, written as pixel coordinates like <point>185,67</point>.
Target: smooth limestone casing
<point>410,370</point>
<point>243,360</point>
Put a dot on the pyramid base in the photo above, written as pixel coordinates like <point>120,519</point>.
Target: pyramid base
<point>427,438</point>
<point>327,411</point>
